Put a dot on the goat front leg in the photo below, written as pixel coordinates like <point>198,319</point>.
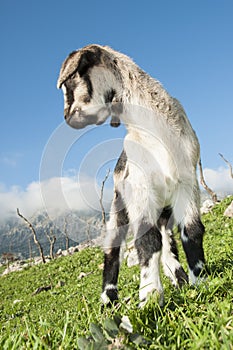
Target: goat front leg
<point>116,231</point>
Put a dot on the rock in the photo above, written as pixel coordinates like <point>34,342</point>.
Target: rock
<point>16,266</point>
<point>59,252</point>
<point>60,284</point>
<point>73,250</point>
<point>81,275</point>
<point>229,211</point>
<point>207,206</point>
<point>86,244</point>
<point>65,253</point>
<point>38,260</point>
<point>84,274</point>
<point>101,266</point>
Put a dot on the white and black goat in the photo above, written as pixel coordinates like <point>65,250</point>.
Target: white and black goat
<point>155,182</point>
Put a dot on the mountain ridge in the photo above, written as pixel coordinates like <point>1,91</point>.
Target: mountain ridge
<point>16,236</point>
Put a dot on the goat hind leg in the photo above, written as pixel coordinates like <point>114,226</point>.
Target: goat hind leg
<point>171,265</point>
<point>192,240</point>
<point>148,245</point>
<point>187,215</point>
<point>192,231</point>
<point>170,260</point>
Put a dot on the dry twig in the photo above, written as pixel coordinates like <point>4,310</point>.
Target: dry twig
<point>204,184</point>
<point>66,234</point>
<point>52,240</point>
<point>101,197</point>
<point>34,235</point>
<point>228,163</point>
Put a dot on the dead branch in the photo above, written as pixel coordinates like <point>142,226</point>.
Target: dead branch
<point>66,234</point>
<point>52,240</point>
<point>228,163</point>
<point>30,249</point>
<point>8,257</point>
<point>42,289</point>
<point>204,184</point>
<point>101,197</point>
<point>34,235</point>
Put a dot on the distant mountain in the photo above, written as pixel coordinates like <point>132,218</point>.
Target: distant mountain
<point>16,237</point>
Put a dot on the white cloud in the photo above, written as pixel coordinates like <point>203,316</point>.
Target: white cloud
<point>55,195</point>
<point>69,193</point>
<point>28,200</point>
<point>219,180</point>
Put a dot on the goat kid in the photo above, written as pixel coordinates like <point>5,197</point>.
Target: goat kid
<point>155,182</point>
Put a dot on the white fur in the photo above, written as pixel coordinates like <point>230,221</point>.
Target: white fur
<point>194,279</point>
<point>170,263</point>
<point>104,297</point>
<point>150,280</point>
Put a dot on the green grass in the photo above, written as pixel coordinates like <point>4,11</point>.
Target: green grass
<point>192,318</point>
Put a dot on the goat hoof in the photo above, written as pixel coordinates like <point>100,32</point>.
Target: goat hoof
<point>109,297</point>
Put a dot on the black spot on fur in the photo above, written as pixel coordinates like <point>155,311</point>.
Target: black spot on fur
<point>86,99</point>
<point>197,271</point>
<point>193,246</point>
<point>174,248</point>
<point>69,95</point>
<point>121,163</point>
<point>88,82</point>
<point>165,216</point>
<point>154,95</point>
<point>181,276</point>
<point>89,59</point>
<point>111,264</point>
<point>149,241</point>
<point>131,76</point>
<point>122,215</point>
<point>113,295</point>
<point>108,96</point>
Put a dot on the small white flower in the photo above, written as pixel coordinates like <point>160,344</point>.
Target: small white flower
<point>126,324</point>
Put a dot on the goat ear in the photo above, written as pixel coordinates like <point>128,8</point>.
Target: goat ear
<point>79,61</point>
<point>87,60</point>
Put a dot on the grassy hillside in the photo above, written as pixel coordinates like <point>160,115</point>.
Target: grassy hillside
<point>68,315</point>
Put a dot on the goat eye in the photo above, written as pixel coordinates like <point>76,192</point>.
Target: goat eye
<point>86,99</point>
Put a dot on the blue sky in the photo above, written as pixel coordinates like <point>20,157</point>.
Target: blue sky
<point>185,44</point>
